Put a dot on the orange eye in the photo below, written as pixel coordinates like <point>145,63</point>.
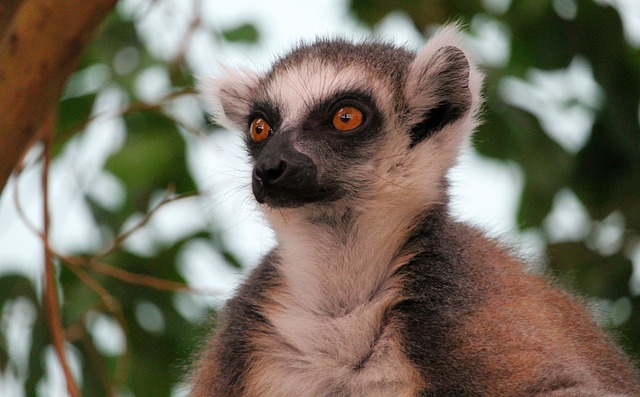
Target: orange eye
<point>259,129</point>
<point>347,118</point>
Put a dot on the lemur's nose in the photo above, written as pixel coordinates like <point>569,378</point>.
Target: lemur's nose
<point>283,176</point>
<point>268,173</point>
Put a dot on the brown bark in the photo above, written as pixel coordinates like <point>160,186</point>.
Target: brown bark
<point>8,9</point>
<point>39,49</point>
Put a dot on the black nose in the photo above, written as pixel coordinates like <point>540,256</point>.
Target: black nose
<point>284,177</point>
<point>270,173</point>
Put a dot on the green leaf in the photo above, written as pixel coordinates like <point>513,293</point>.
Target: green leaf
<point>73,113</point>
<point>244,33</point>
<point>152,159</point>
<point>590,273</point>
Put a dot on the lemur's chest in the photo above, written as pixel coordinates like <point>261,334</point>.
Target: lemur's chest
<point>354,353</point>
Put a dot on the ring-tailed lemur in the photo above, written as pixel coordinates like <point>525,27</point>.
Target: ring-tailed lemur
<point>373,289</point>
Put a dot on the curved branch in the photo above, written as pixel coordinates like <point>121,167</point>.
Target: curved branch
<point>39,50</point>
<point>50,299</point>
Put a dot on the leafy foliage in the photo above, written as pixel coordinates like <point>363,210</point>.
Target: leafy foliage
<point>245,32</point>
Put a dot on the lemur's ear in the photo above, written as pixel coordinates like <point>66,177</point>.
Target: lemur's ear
<point>442,87</point>
<point>228,95</point>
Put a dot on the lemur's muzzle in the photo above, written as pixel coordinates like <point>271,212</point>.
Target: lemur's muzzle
<point>285,177</point>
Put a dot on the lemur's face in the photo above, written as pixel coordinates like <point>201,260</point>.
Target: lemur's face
<point>336,121</point>
<point>313,150</point>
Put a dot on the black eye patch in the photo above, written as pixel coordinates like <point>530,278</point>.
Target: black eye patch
<point>271,114</point>
<point>321,116</point>
<point>268,112</point>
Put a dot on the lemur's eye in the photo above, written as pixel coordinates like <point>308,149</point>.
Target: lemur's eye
<point>347,118</point>
<point>259,129</point>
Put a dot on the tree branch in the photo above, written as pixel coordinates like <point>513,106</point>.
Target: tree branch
<point>39,49</point>
<point>50,285</point>
<point>113,306</point>
<point>134,278</point>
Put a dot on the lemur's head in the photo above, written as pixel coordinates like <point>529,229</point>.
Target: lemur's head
<point>333,121</point>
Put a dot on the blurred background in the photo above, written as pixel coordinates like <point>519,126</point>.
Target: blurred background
<point>152,219</point>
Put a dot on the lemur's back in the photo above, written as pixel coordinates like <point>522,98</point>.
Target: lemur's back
<point>503,332</point>
<point>373,290</point>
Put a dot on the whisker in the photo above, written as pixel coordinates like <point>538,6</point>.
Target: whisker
<point>392,183</point>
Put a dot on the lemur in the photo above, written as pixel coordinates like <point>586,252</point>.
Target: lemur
<point>373,289</point>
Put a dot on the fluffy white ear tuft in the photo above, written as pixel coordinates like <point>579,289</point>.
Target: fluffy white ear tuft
<point>227,95</point>
<point>451,35</point>
<point>443,86</point>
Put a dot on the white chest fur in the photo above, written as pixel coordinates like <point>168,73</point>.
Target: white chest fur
<point>356,354</point>
<point>333,334</point>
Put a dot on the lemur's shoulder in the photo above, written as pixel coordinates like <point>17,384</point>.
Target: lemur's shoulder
<point>470,301</point>
<point>224,361</point>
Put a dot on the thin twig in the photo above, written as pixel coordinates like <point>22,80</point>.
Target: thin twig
<point>109,270</point>
<point>134,278</point>
<point>169,197</point>
<point>77,332</point>
<point>98,361</point>
<point>112,271</point>
<point>112,305</point>
<point>50,286</point>
<point>130,109</point>
<point>109,301</point>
